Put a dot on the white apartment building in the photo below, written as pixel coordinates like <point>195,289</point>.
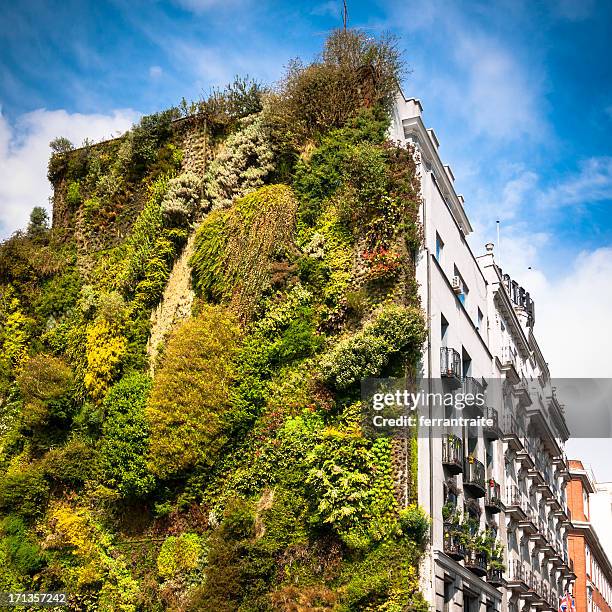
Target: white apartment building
<point>503,483</point>
<point>601,514</point>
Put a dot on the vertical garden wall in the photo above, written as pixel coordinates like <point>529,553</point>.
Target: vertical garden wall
<point>232,473</point>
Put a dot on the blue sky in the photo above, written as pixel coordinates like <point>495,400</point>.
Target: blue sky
<point>519,93</point>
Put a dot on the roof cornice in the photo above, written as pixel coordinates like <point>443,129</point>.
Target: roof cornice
<point>415,129</point>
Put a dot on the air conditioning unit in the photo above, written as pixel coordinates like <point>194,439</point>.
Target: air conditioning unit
<point>457,285</point>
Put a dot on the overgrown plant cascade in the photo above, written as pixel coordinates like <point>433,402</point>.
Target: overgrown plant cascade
<point>231,472</point>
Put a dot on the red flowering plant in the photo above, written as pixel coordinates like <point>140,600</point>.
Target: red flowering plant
<point>382,262</point>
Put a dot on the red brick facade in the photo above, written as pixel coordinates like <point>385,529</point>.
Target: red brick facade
<point>583,545</point>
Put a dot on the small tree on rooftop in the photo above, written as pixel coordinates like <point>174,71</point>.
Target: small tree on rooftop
<point>61,145</point>
<point>354,71</point>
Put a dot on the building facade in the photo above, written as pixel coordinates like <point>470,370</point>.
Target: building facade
<point>593,587</point>
<point>496,494</point>
<point>600,506</point>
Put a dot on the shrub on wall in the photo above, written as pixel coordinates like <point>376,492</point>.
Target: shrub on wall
<point>179,555</point>
<point>24,492</point>
<point>45,384</point>
<point>181,200</point>
<point>234,249</point>
<point>244,163</point>
<point>125,438</point>
<point>105,350</point>
<point>190,394</point>
<point>353,72</point>
<point>397,331</point>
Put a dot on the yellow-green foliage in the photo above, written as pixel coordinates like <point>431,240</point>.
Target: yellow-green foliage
<point>88,558</point>
<point>235,248</point>
<point>105,349</point>
<point>190,395</point>
<point>179,555</point>
<point>43,381</point>
<point>141,241</point>
<point>15,335</point>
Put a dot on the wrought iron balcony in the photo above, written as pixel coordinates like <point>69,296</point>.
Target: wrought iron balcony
<point>452,453</point>
<point>472,386</point>
<point>508,358</point>
<point>515,502</point>
<point>450,364</point>
<point>554,599</point>
<point>522,392</point>
<point>477,562</point>
<point>528,523</point>
<point>453,545</point>
<point>495,577</point>
<point>518,576</point>
<point>493,496</point>
<point>474,476</point>
<point>512,432</point>
<point>493,431</point>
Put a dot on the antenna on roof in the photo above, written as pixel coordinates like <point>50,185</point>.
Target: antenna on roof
<point>344,14</point>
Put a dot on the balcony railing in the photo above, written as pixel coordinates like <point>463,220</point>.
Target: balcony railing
<point>474,476</point>
<point>554,599</point>
<point>508,358</point>
<point>493,496</point>
<point>453,545</point>
<point>492,431</point>
<point>515,501</point>
<point>513,431</point>
<point>522,391</point>
<point>495,577</point>
<point>518,574</point>
<point>452,453</point>
<point>473,386</point>
<point>450,363</point>
<point>477,562</point>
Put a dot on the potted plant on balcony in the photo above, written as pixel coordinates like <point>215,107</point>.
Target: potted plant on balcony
<point>449,513</point>
<point>496,567</point>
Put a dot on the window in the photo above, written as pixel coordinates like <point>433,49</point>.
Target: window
<point>466,363</point>
<point>443,330</point>
<point>470,603</point>
<point>464,288</point>
<point>479,320</point>
<point>439,248</point>
<point>448,595</point>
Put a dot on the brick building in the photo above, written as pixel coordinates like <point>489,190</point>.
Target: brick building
<point>593,585</point>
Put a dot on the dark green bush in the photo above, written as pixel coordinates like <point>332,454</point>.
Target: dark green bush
<point>125,438</point>
<point>23,555</point>
<point>24,493</point>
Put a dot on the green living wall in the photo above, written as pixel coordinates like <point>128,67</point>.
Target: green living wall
<point>230,471</point>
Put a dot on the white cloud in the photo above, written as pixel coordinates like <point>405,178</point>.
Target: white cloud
<point>573,314</point>
<point>481,80</point>
<point>155,72</point>
<point>498,96</point>
<point>24,153</point>
<point>515,192</point>
<point>592,183</point>
<point>327,9</point>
